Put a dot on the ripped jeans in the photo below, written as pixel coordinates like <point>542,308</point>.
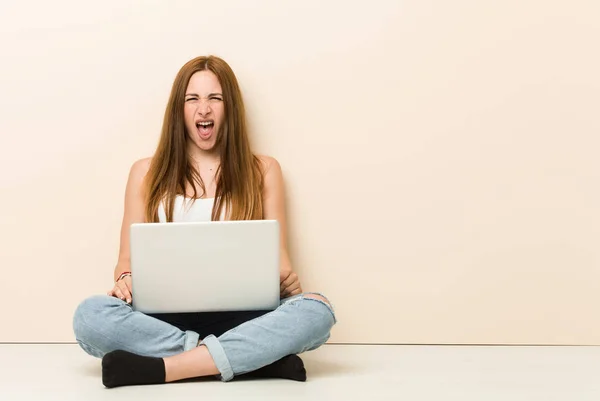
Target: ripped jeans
<point>239,342</point>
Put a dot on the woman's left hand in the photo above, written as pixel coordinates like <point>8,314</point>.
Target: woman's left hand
<point>289,284</point>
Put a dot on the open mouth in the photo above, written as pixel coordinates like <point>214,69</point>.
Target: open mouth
<point>205,128</point>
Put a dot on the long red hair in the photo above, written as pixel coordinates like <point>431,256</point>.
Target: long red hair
<point>239,177</point>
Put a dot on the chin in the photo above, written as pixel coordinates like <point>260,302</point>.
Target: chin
<point>206,147</point>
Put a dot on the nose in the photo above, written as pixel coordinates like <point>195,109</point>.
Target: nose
<point>203,108</point>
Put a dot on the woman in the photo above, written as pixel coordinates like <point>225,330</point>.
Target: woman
<point>203,169</point>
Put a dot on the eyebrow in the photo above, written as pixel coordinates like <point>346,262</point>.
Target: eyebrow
<point>209,95</point>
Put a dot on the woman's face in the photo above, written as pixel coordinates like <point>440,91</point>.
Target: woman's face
<point>204,110</point>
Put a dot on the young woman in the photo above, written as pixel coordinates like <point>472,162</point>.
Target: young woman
<point>203,169</point>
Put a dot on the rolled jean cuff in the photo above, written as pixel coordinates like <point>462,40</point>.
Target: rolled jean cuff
<point>218,355</point>
<point>191,340</point>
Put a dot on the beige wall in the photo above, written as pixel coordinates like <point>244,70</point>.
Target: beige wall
<point>441,157</point>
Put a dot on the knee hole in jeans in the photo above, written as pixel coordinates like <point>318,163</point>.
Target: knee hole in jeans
<point>318,298</point>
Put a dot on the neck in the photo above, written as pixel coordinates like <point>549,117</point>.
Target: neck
<point>203,158</point>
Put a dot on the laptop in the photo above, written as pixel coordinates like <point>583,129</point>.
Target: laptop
<point>211,266</point>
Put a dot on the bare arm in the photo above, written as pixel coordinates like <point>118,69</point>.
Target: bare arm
<point>133,213</point>
<point>274,209</point>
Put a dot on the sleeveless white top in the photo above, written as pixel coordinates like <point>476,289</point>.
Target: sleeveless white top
<point>188,210</point>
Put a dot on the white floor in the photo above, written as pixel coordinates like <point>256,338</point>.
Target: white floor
<point>335,372</point>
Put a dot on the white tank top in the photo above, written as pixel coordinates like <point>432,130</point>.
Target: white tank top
<point>185,210</point>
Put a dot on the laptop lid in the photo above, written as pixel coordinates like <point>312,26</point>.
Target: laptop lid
<point>205,266</point>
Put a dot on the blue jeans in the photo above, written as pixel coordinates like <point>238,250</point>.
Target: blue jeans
<point>103,324</point>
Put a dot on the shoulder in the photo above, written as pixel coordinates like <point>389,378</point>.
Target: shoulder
<point>269,165</point>
<point>272,176</point>
<point>140,167</point>
<point>138,171</point>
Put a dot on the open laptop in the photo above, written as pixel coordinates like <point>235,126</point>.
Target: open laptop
<point>205,266</point>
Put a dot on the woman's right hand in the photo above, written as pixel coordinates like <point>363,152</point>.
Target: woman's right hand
<point>122,289</point>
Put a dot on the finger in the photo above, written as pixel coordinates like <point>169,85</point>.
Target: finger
<point>128,283</point>
<point>293,289</point>
<point>284,275</point>
<point>125,291</point>
<point>117,293</point>
<point>288,281</point>
<point>297,291</point>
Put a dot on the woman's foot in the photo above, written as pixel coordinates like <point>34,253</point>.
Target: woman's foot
<point>289,367</point>
<point>122,368</point>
